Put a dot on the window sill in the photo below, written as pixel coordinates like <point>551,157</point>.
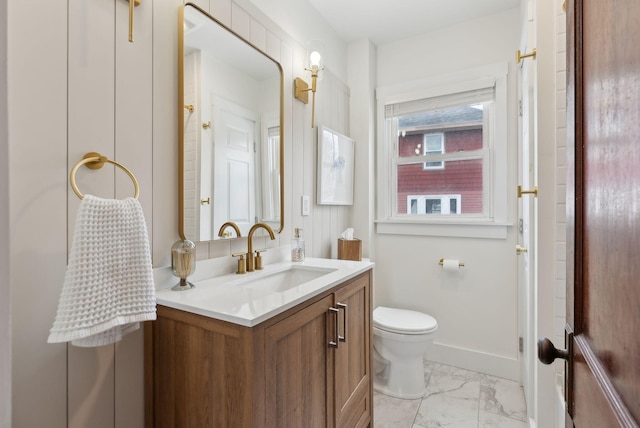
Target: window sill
<point>456,229</point>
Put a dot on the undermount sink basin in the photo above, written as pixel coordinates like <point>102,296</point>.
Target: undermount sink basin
<point>283,280</point>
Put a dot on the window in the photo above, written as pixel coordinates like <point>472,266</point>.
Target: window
<point>433,204</point>
<point>455,131</point>
<point>433,145</point>
<point>442,151</point>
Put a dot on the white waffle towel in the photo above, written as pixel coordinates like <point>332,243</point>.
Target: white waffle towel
<point>108,285</point>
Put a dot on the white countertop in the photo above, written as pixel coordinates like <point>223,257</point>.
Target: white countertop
<point>240,300</point>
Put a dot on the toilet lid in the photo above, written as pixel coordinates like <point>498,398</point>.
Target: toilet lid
<point>403,321</point>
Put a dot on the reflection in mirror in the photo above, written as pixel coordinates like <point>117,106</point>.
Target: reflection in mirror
<point>231,112</point>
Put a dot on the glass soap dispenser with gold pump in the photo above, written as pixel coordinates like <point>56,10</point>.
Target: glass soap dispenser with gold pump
<point>297,246</point>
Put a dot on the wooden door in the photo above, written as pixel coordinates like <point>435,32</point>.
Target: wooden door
<point>298,364</point>
<point>352,395</point>
<point>603,284</point>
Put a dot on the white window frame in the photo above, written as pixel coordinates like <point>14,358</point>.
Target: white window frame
<point>432,165</point>
<point>494,222</point>
<point>445,202</point>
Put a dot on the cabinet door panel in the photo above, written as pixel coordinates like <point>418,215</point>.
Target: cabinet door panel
<point>200,377</point>
<point>297,363</point>
<point>353,379</point>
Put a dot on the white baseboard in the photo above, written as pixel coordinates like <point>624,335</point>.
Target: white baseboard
<point>560,404</point>
<point>496,365</point>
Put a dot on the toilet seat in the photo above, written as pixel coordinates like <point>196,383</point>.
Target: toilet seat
<point>403,321</point>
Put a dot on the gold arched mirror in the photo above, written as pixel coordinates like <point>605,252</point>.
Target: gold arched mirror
<point>230,134</point>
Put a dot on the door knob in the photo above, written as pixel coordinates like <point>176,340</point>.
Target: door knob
<point>520,249</point>
<point>547,353</point>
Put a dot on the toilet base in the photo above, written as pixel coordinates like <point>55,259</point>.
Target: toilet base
<point>383,390</point>
<point>405,379</point>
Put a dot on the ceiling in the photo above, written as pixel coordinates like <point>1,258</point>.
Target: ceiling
<point>384,21</point>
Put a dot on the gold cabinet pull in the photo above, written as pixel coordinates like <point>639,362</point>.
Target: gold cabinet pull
<point>520,56</point>
<point>533,192</point>
<point>206,125</point>
<point>520,249</point>
<point>206,201</point>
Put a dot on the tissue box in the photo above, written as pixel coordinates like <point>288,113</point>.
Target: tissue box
<point>350,249</point>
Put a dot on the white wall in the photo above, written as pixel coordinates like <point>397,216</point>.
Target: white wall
<point>362,82</point>
<point>477,308</point>
<point>551,213</point>
<point>83,87</point>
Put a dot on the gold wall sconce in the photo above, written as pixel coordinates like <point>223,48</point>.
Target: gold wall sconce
<point>302,89</point>
<point>132,3</point>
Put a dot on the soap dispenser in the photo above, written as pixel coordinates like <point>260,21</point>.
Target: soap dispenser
<point>297,246</point>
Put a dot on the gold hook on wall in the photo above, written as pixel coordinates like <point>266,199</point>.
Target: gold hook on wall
<point>520,56</point>
<point>132,3</point>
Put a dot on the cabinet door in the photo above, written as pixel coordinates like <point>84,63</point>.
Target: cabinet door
<point>297,364</point>
<point>352,389</point>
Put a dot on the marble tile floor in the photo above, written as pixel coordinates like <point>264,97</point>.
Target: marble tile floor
<point>455,398</point>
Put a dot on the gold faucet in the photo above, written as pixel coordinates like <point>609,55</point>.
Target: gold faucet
<point>221,232</point>
<point>250,257</point>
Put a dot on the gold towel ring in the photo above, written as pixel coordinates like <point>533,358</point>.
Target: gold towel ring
<point>95,160</point>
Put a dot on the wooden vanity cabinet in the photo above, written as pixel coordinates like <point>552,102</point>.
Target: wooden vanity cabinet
<point>202,372</point>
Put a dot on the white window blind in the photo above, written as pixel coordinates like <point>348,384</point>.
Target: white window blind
<point>475,96</point>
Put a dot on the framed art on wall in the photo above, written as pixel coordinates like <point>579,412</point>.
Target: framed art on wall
<point>335,168</point>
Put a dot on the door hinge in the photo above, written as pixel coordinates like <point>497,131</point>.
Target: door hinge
<point>521,344</point>
<point>520,112</point>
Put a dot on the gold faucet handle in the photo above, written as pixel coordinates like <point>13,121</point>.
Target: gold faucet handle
<point>242,264</point>
<point>258,259</point>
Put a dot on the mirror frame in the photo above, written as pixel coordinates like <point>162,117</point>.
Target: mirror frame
<point>181,124</point>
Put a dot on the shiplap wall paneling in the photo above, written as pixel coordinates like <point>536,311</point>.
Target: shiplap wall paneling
<point>331,110</point>
<point>91,83</point>
<point>37,68</point>
<point>5,296</point>
<point>133,148</point>
<point>221,10</point>
<point>240,21</point>
<point>301,125</point>
<point>287,64</point>
<point>321,225</point>
<point>165,109</point>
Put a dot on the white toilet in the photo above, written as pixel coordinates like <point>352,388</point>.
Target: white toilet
<point>400,339</point>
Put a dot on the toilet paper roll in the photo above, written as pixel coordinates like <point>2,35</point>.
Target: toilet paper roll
<point>451,265</point>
